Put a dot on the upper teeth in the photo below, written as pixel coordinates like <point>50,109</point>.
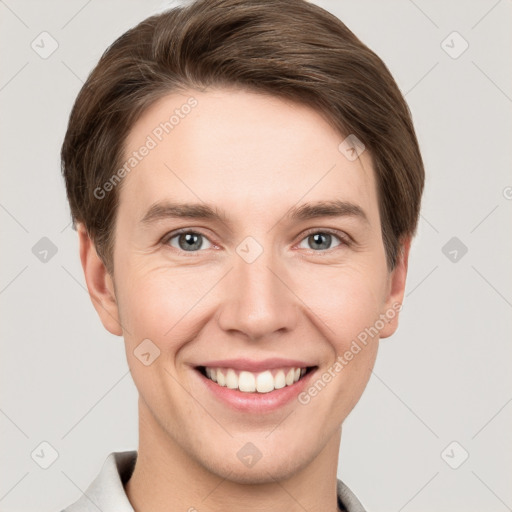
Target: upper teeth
<point>249,382</point>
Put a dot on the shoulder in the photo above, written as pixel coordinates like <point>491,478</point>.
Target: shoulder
<point>347,500</point>
<point>106,492</point>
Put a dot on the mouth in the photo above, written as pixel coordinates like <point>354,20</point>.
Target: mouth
<point>262,382</point>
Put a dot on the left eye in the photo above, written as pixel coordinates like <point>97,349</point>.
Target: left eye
<point>320,240</point>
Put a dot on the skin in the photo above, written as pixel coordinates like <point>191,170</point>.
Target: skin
<point>255,157</point>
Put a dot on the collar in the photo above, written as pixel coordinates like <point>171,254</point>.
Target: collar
<point>106,493</point>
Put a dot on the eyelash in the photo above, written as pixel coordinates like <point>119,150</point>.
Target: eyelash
<point>344,239</point>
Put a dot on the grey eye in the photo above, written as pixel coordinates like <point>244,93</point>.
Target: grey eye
<point>189,241</point>
<point>319,241</point>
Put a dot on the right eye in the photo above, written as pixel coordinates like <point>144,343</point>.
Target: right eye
<point>186,240</point>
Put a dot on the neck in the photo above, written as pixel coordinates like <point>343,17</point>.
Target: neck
<point>166,477</point>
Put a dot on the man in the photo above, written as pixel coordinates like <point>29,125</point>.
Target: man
<point>245,180</point>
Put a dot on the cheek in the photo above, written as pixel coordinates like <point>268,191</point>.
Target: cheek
<point>347,300</point>
<point>167,306</point>
<point>152,304</point>
<point>158,307</point>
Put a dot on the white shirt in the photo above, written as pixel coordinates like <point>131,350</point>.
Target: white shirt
<point>106,493</point>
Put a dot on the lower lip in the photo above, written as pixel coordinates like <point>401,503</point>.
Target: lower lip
<point>256,402</point>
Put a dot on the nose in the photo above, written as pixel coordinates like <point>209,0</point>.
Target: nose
<point>257,299</point>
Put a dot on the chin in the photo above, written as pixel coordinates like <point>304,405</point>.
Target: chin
<point>267,470</point>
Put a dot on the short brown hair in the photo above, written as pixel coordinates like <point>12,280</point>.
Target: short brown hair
<point>290,49</point>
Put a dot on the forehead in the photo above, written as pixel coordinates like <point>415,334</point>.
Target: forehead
<point>234,147</point>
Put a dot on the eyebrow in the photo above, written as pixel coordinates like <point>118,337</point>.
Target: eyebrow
<point>203,211</point>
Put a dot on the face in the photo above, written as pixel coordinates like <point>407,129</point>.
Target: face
<point>278,273</point>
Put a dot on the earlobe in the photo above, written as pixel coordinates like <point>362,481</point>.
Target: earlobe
<point>99,283</point>
<point>397,280</point>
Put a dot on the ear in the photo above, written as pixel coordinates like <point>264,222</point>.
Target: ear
<point>396,289</point>
<point>99,283</point>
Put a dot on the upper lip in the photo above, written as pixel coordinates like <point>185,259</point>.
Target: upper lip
<point>256,366</point>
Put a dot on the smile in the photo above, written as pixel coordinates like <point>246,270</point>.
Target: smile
<point>251,382</point>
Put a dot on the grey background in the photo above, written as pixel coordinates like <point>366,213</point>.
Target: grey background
<point>445,375</point>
